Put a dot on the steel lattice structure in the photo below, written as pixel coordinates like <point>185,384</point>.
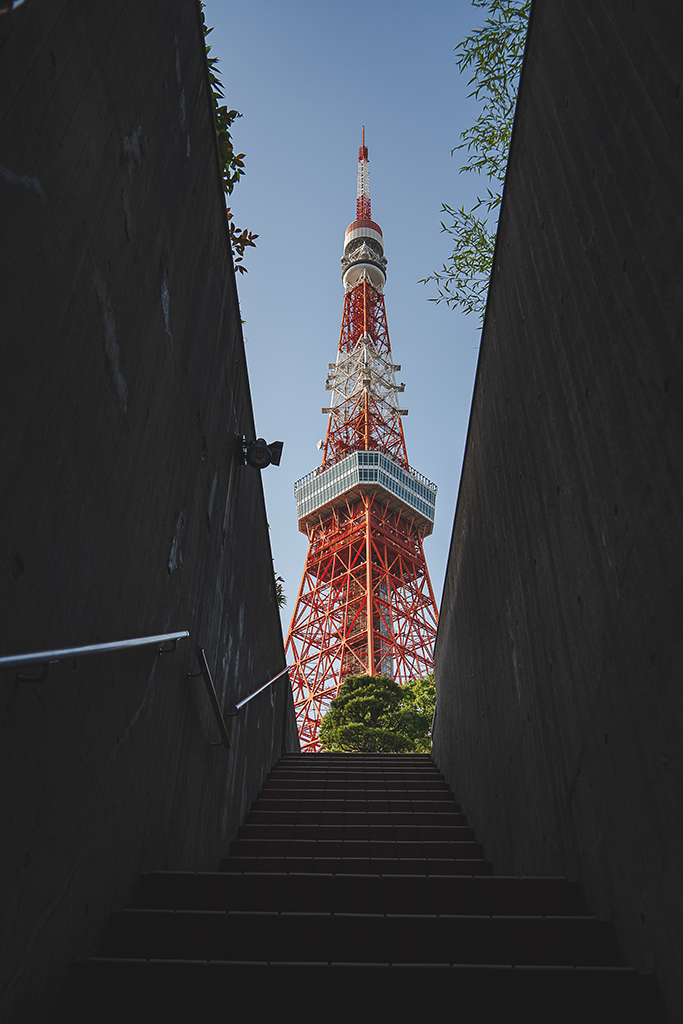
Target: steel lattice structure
<point>365,604</point>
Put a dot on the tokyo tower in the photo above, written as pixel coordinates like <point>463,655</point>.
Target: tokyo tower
<point>365,604</point>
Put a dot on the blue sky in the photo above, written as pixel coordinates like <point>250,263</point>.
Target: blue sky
<point>306,76</point>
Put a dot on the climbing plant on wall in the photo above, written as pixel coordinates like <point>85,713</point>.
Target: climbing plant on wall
<point>232,163</point>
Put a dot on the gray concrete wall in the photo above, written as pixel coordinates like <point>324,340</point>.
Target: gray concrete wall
<point>559,655</point>
<point>124,510</point>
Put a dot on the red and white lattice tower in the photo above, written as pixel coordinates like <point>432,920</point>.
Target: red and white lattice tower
<point>365,604</point>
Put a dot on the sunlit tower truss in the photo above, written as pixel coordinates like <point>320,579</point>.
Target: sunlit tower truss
<point>365,604</point>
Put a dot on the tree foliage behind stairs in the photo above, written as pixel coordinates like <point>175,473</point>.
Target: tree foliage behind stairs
<point>375,714</point>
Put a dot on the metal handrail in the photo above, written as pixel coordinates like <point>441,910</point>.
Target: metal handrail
<point>205,672</point>
<point>47,658</point>
<point>262,688</point>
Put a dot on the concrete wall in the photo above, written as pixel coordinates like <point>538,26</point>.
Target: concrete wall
<point>560,648</point>
<point>124,509</point>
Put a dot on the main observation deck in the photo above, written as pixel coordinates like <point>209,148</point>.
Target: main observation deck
<point>404,490</point>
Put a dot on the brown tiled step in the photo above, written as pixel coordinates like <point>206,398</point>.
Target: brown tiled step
<point>358,865</point>
<point>355,775</point>
<point>353,848</point>
<point>314,764</point>
<point>335,804</point>
<point>360,755</point>
<point>402,938</point>
<point>380,894</point>
<point>139,991</point>
<point>368,833</point>
<point>381,788</point>
<point>385,769</point>
<point>357,772</point>
<point>377,762</point>
<point>346,818</point>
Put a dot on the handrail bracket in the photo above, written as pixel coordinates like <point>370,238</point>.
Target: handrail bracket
<point>21,678</point>
<point>171,648</point>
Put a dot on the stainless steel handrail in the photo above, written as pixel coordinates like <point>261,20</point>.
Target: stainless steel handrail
<point>261,688</point>
<point>205,672</point>
<point>47,658</point>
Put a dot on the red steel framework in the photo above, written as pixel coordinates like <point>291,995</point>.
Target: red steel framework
<point>365,604</point>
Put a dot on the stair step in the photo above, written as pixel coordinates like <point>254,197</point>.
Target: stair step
<point>358,865</point>
<point>362,756</point>
<point>418,894</point>
<point>350,772</point>
<point>354,848</point>
<point>304,803</point>
<point>109,990</point>
<point>365,819</point>
<point>384,764</point>
<point>403,938</point>
<point>333,785</point>
<point>368,780</point>
<point>365,833</point>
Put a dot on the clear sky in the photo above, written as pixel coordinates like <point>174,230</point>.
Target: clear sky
<point>306,75</point>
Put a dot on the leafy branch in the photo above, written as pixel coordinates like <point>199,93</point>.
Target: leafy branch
<point>464,279</point>
<point>240,241</point>
<point>232,163</point>
<point>280,590</point>
<point>493,53</point>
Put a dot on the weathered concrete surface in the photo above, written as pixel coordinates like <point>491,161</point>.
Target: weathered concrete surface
<point>124,510</point>
<point>560,648</point>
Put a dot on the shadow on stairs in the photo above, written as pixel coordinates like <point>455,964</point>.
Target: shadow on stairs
<point>355,887</point>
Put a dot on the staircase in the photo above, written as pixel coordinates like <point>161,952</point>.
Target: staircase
<point>356,888</point>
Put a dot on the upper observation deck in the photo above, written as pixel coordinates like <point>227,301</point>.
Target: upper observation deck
<point>404,490</point>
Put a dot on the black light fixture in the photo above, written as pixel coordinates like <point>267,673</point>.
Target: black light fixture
<point>258,454</point>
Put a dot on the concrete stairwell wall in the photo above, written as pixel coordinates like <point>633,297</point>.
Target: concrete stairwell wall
<point>125,511</point>
<point>559,656</point>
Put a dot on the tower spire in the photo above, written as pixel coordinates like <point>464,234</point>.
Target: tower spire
<point>365,604</point>
<point>363,211</point>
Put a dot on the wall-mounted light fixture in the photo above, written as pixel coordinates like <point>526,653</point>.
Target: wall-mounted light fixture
<point>258,454</point>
